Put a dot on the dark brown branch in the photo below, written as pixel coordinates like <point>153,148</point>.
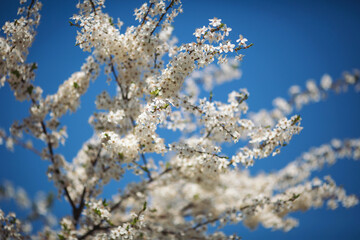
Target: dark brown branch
<point>205,223</point>
<point>93,6</point>
<point>57,171</point>
<point>23,145</point>
<point>132,121</point>
<point>94,162</point>
<point>155,58</point>
<point>29,8</point>
<point>162,16</point>
<point>129,194</point>
<point>116,79</point>
<point>94,229</point>
<point>123,95</point>
<point>162,173</point>
<point>120,202</point>
<point>81,206</point>
<point>146,14</point>
<point>144,168</point>
<point>78,210</point>
<point>98,227</point>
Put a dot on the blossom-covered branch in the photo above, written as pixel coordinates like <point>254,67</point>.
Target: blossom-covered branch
<point>184,185</point>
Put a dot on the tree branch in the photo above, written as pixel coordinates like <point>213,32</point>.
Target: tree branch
<point>162,16</point>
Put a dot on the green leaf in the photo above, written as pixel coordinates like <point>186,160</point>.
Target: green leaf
<point>111,21</point>
<point>134,221</point>
<point>165,106</point>
<point>76,85</point>
<point>33,67</point>
<point>155,92</point>
<point>121,156</point>
<point>296,120</point>
<point>167,166</point>
<point>12,220</point>
<point>97,212</point>
<point>50,200</point>
<point>74,24</point>
<point>153,210</point>
<point>61,237</point>
<point>16,73</point>
<point>107,137</point>
<point>64,226</point>
<point>30,89</point>
<point>294,197</point>
<point>110,223</point>
<point>105,203</point>
<point>145,205</point>
<point>242,98</point>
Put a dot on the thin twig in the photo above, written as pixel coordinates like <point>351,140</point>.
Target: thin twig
<point>146,14</point>
<point>205,223</point>
<point>51,152</point>
<point>96,228</point>
<point>93,6</point>
<point>162,16</point>
<point>23,145</point>
<point>162,173</point>
<point>142,156</point>
<point>29,8</point>
<point>116,79</point>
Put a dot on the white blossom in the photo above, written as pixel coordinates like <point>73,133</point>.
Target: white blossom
<point>184,181</point>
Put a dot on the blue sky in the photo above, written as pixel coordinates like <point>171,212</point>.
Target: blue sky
<point>293,41</point>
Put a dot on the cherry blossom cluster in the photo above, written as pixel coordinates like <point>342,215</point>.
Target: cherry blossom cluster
<point>327,154</point>
<point>267,199</point>
<point>10,226</point>
<point>188,183</point>
<point>20,35</point>
<point>268,141</point>
<point>36,209</point>
<point>313,93</point>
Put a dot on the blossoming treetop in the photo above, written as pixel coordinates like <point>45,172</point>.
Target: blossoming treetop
<point>180,195</point>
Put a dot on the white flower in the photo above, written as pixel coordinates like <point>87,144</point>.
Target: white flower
<point>222,59</point>
<point>228,47</point>
<point>241,40</point>
<point>215,22</point>
<point>226,30</point>
<point>326,82</point>
<point>239,57</point>
<point>200,31</point>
